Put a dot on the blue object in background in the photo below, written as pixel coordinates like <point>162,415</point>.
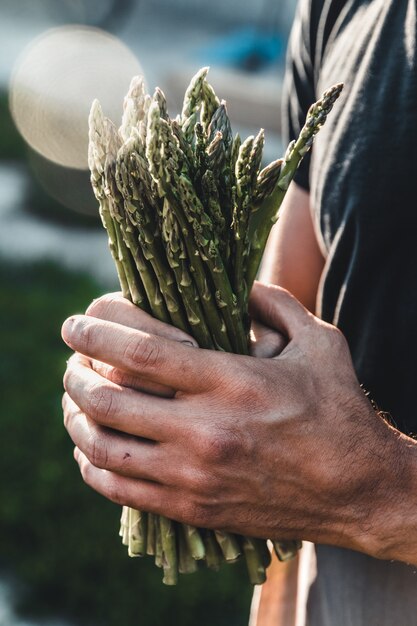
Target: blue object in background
<point>246,48</point>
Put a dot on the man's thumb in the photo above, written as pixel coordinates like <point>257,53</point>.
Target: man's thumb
<point>277,308</point>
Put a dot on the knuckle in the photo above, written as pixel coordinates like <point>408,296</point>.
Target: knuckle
<point>100,403</point>
<point>144,352</point>
<point>97,450</point>
<point>114,493</point>
<point>339,337</point>
<point>200,482</point>
<point>329,339</point>
<point>118,377</point>
<point>217,446</point>
<point>200,514</point>
<point>336,338</point>
<point>121,378</point>
<point>256,385</point>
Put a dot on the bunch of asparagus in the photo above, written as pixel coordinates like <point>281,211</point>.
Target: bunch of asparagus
<point>188,209</point>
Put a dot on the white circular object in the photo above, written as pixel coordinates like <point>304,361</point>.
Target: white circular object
<point>55,81</point>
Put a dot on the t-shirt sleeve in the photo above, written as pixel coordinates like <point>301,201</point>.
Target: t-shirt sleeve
<point>299,89</point>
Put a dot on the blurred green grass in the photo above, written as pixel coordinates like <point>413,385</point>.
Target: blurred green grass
<point>12,145</point>
<point>58,539</point>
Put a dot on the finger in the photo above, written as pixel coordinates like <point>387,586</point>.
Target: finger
<point>121,408</point>
<point>157,359</point>
<point>117,452</point>
<point>113,307</point>
<point>123,490</point>
<point>143,495</point>
<point>265,342</point>
<point>277,308</point>
<point>127,379</point>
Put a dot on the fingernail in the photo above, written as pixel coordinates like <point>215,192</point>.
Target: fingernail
<point>186,342</point>
<point>66,330</point>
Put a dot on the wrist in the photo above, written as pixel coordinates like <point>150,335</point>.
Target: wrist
<point>387,527</point>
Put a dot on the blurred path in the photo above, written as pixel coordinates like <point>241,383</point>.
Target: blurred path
<point>8,616</point>
<point>24,237</point>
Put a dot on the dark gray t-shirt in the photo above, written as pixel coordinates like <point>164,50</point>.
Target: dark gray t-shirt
<point>362,176</point>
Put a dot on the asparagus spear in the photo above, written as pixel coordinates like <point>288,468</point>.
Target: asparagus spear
<point>212,314</point>
<point>241,211</point>
<point>133,107</point>
<point>194,94</point>
<point>214,556</point>
<point>151,534</point>
<point>285,550</point>
<point>186,563</point>
<point>229,545</point>
<point>151,247</point>
<point>160,140</point>
<point>208,246</point>
<point>96,160</point>
<point>166,198</point>
<point>266,181</point>
<point>266,215</point>
<point>137,532</point>
<point>220,123</point>
<point>254,561</point>
<point>194,542</point>
<point>169,551</point>
<point>177,258</point>
<point>210,103</point>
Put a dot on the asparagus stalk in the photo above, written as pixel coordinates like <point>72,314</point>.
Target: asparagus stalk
<point>194,542</point>
<point>186,563</point>
<point>241,211</point>
<point>96,160</point>
<point>137,532</point>
<point>124,524</point>
<point>159,553</point>
<point>187,213</point>
<point>194,94</point>
<point>210,103</point>
<point>266,215</point>
<point>134,107</point>
<point>151,534</point>
<point>161,140</point>
<point>220,123</point>
<point>229,546</point>
<point>266,182</point>
<point>115,204</point>
<point>254,561</point>
<point>214,318</point>
<point>214,555</point>
<point>286,550</point>
<point>177,258</point>
<point>169,551</point>
<point>150,244</point>
<point>208,247</point>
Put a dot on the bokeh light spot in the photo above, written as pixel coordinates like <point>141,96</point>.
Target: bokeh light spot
<point>55,81</point>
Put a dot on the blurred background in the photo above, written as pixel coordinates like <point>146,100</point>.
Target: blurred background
<point>61,562</point>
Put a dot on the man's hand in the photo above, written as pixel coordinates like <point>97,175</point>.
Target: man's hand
<point>285,447</point>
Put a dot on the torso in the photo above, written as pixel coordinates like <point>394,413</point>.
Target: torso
<point>364,192</point>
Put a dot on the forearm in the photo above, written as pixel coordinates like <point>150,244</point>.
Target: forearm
<point>293,259</point>
<point>374,507</point>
